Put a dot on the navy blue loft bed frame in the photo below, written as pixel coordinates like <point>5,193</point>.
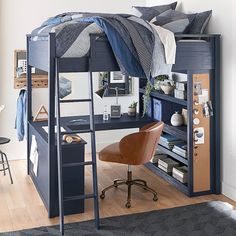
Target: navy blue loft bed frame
<point>191,58</point>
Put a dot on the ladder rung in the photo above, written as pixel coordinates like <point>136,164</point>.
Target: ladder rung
<point>78,164</point>
<point>75,100</point>
<point>86,196</point>
<point>77,131</point>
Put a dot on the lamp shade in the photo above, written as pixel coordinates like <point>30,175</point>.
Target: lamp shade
<point>101,92</point>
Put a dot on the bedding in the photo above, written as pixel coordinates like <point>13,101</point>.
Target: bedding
<point>175,21</point>
<point>200,22</point>
<point>136,44</point>
<point>147,13</point>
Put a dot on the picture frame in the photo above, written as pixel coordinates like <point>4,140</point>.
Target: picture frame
<point>115,80</point>
<point>117,77</point>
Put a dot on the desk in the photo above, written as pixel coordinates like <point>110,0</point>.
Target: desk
<point>46,179</point>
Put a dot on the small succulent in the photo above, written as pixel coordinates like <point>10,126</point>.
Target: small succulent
<point>133,104</point>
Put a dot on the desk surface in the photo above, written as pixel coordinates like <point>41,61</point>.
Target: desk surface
<point>125,122</point>
<point>82,122</point>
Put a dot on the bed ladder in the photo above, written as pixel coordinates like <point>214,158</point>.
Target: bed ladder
<point>93,162</point>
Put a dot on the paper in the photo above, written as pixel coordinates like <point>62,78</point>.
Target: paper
<point>204,97</point>
<point>199,135</point>
<point>34,155</point>
<point>46,129</point>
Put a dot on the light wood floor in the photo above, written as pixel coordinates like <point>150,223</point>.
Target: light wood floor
<point>21,206</point>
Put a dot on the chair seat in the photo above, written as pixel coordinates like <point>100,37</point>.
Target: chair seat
<point>111,153</point>
<point>4,140</point>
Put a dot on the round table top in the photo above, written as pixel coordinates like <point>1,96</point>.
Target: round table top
<point>4,140</point>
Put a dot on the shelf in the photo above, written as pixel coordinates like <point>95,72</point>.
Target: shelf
<point>37,82</point>
<point>39,78</point>
<point>179,132</point>
<point>173,155</point>
<point>165,97</point>
<point>182,187</point>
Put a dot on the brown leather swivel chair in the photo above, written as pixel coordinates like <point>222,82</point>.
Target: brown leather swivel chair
<point>134,149</point>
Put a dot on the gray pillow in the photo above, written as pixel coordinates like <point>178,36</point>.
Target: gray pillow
<point>200,22</point>
<point>175,21</point>
<point>147,13</point>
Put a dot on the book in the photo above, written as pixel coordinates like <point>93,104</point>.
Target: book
<point>167,162</point>
<point>169,145</point>
<point>180,149</point>
<point>168,138</point>
<point>180,173</point>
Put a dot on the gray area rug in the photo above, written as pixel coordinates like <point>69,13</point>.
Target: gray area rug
<point>212,218</point>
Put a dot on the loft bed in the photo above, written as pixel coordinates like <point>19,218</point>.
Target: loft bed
<point>195,54</point>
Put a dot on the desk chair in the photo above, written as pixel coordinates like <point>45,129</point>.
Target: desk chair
<point>134,149</point>
<point>4,160</point>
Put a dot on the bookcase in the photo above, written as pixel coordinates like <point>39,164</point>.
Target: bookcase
<point>203,158</point>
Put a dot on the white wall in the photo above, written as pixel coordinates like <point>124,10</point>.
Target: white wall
<point>222,22</point>
<point>17,18</point>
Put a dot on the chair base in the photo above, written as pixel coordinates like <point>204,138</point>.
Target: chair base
<point>129,182</point>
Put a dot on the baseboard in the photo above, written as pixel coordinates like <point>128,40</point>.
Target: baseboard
<point>229,191</point>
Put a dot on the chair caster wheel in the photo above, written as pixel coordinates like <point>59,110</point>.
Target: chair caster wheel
<point>128,205</point>
<point>102,196</point>
<point>155,198</point>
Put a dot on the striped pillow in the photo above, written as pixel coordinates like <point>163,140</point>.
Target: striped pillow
<point>147,13</point>
<point>175,21</point>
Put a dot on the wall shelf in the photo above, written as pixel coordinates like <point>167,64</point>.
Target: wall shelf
<point>39,78</point>
<point>165,97</point>
<point>179,132</point>
<point>173,155</point>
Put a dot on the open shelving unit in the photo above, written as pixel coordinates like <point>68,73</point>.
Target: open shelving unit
<point>180,132</point>
<point>200,64</point>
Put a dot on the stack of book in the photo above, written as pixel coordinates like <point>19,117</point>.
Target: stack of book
<point>180,173</point>
<point>180,149</point>
<point>166,164</point>
<point>168,141</point>
<point>158,154</point>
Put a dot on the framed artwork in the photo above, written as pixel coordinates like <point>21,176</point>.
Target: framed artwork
<point>116,80</point>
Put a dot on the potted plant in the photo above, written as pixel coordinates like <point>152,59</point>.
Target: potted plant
<point>159,80</point>
<point>132,109</point>
<point>167,86</point>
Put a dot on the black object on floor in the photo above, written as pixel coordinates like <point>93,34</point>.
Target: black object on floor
<point>205,219</point>
<point>4,161</point>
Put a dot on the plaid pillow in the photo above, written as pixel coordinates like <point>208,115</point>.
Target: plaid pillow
<point>147,13</point>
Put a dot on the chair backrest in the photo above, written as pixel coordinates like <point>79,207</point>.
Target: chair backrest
<point>138,148</point>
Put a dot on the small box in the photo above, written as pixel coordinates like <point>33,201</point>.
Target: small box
<point>180,94</point>
<point>180,173</point>
<point>182,86</point>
